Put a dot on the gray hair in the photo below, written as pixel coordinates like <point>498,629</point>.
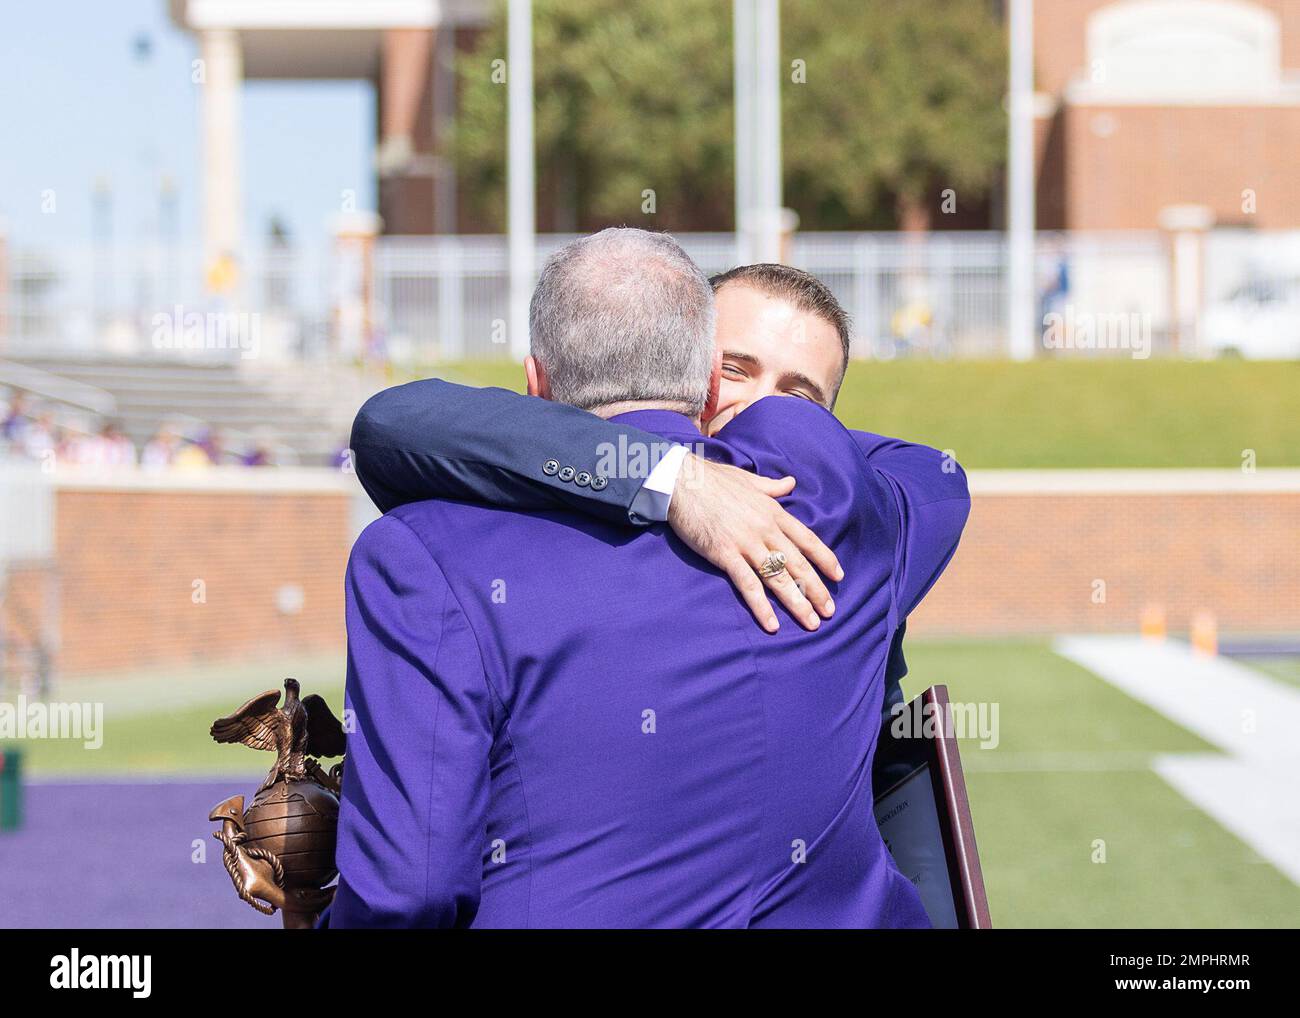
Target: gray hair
<point>624,315</point>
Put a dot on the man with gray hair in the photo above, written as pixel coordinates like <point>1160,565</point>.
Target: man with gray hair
<point>563,722</point>
<point>622,317</point>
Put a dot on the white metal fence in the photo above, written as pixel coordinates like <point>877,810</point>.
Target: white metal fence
<point>438,298</point>
<point>91,300</point>
<point>940,294</point>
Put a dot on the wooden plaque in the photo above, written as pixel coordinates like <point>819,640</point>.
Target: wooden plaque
<point>924,814</point>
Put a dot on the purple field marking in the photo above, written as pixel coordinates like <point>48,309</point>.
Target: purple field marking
<point>117,854</point>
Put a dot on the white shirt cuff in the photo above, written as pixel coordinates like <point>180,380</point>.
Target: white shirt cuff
<point>656,494</point>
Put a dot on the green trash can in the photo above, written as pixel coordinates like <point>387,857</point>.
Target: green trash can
<point>11,790</point>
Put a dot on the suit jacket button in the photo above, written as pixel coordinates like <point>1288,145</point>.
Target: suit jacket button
<point>598,483</point>
<point>551,467</point>
<point>583,479</point>
<point>566,473</point>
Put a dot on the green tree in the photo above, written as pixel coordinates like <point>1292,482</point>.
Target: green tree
<point>903,100</point>
<point>885,103</point>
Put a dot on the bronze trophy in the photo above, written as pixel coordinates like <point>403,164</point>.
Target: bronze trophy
<point>280,851</point>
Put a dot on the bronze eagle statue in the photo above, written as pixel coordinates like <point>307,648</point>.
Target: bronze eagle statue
<point>300,728</point>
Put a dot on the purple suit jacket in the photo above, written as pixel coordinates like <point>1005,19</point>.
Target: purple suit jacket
<point>560,721</point>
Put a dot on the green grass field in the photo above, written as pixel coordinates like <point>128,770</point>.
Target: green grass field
<point>156,723</point>
<point>1285,668</point>
<point>1071,768</point>
<point>1059,413</point>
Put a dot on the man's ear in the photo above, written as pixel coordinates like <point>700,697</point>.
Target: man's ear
<point>538,383</point>
<point>715,384</point>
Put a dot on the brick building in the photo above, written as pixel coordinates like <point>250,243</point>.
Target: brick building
<point>1141,105</point>
<point>406,48</point>
<point>1147,105</point>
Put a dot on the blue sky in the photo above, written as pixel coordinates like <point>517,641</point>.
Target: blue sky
<point>76,105</point>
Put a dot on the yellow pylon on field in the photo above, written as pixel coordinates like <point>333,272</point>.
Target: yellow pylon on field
<point>1153,622</point>
<point>1205,634</point>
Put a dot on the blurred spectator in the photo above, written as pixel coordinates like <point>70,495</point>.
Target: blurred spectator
<point>36,437</point>
<point>258,450</point>
<point>15,419</point>
<point>115,449</point>
<point>160,451</point>
<point>213,443</point>
<point>73,440</point>
<point>107,448</point>
<point>191,456</point>
<point>258,455</point>
<point>65,448</point>
<point>32,432</point>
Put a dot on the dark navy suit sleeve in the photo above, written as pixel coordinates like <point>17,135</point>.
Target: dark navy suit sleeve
<point>413,815</point>
<point>436,439</point>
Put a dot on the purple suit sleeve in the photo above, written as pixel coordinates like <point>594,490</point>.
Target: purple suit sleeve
<point>412,818</point>
<point>933,501</point>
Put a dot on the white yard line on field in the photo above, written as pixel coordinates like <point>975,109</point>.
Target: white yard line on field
<point>1256,802</point>
<point>1251,717</point>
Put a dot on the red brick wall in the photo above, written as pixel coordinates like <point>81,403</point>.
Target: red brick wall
<point>1116,167</point>
<point>1153,157</point>
<point>1027,563</point>
<point>128,561</point>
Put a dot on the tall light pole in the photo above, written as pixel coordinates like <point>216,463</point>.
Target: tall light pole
<point>757,42</point>
<point>520,157</point>
<point>1022,316</point>
<point>767,168</point>
<point>223,208</point>
<point>743,85</point>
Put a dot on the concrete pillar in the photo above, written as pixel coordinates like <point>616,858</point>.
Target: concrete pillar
<point>769,213</point>
<point>743,57</point>
<point>761,221</point>
<point>1186,227</point>
<point>521,214</point>
<point>355,335</point>
<point>1023,328</point>
<point>445,184</point>
<point>404,74</point>
<point>223,210</point>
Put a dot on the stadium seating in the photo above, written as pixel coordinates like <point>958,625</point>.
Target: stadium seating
<point>304,410</point>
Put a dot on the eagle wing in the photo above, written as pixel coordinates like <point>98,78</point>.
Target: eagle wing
<point>324,732</point>
<point>257,724</point>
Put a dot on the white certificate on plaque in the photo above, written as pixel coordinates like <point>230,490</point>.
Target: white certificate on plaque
<point>909,823</point>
